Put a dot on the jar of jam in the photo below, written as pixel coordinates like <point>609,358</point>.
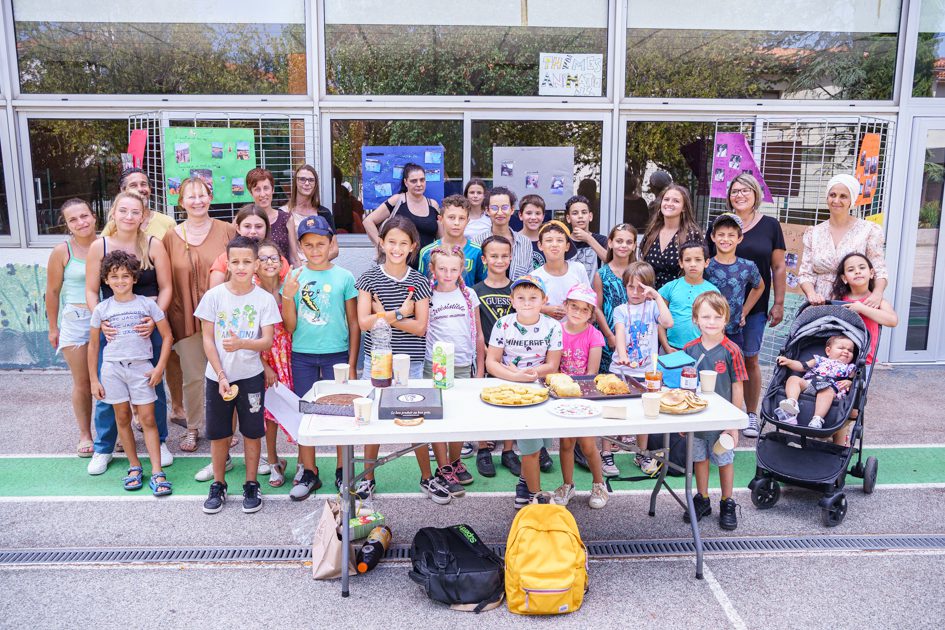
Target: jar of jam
<point>689,378</point>
<point>654,380</point>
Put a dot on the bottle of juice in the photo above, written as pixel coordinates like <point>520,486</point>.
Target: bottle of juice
<point>382,358</point>
<point>374,548</point>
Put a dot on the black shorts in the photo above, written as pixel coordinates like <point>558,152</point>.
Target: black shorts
<point>249,404</point>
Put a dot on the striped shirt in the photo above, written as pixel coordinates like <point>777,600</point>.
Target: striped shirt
<point>392,292</point>
<point>726,359</point>
<point>522,261</point>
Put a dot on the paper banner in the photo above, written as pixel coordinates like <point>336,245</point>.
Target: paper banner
<point>731,156</point>
<point>867,168</point>
<point>136,144</point>
<point>561,74</point>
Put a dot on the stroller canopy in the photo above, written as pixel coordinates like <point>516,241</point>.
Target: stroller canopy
<point>826,320</point>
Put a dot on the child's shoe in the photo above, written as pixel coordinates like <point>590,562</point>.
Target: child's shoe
<point>544,460</point>
<point>727,517</point>
<point>484,463</point>
<point>564,494</point>
<point>580,459</point>
<point>785,417</point>
<point>215,499</point>
<point>599,496</point>
<point>435,488</point>
<point>511,461</point>
<point>650,466</point>
<point>789,406</point>
<point>608,467</point>
<point>522,496</point>
<point>308,484</point>
<point>467,451</point>
<point>365,489</point>
<point>252,497</point>
<point>462,475</point>
<point>816,422</point>
<point>206,473</point>
<point>703,507</point>
<point>448,474</point>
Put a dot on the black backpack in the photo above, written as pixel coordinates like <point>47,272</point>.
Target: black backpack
<point>677,451</point>
<point>454,567</point>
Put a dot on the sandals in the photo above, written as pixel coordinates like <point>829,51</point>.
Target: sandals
<point>85,448</point>
<point>277,473</point>
<point>134,479</point>
<point>234,440</point>
<point>188,443</point>
<point>160,488</point>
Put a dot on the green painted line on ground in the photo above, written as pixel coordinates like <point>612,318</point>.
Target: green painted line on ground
<point>60,476</point>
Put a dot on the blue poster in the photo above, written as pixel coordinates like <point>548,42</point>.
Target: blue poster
<point>382,168</point>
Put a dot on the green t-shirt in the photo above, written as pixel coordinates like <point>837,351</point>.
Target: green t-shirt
<point>322,325</point>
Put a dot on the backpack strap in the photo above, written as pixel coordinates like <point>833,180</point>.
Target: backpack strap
<point>441,548</point>
<point>480,549</point>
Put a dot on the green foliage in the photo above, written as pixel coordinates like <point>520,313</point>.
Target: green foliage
<point>925,56</point>
<point>930,215</point>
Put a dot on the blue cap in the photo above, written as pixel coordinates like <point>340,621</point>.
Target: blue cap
<point>315,225</point>
<point>528,278</point>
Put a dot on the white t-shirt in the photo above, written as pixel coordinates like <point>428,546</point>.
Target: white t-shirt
<point>557,287</point>
<point>476,226</point>
<point>641,328</point>
<point>452,321</point>
<point>526,346</point>
<point>240,315</point>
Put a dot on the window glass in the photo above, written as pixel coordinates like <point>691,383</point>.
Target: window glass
<point>793,49</point>
<point>168,47</point>
<point>929,77</point>
<point>484,48</point>
<point>4,201</point>
<point>347,138</point>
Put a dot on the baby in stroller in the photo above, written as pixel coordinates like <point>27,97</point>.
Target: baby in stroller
<point>827,377</point>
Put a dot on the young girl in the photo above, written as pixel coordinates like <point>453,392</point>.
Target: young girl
<point>454,318</point>
<point>621,251</point>
<point>252,222</point>
<point>65,284</point>
<point>277,364</point>
<point>399,294</point>
<point>479,220</point>
<point>582,344</point>
<point>531,212</point>
<point>637,326</point>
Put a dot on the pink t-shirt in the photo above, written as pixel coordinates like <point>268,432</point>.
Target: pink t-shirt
<point>873,328</point>
<point>577,348</point>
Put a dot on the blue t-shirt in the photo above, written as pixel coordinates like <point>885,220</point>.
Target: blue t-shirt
<point>734,281</point>
<point>680,295</point>
<point>474,271</point>
<point>322,323</point>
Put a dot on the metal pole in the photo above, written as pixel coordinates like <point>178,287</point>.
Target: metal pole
<point>697,539</point>
<point>347,452</point>
<point>660,480</point>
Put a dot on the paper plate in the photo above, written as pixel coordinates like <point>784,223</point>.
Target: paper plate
<point>574,408</point>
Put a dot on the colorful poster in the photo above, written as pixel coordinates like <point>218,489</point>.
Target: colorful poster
<point>867,168</point>
<point>794,253</point>
<point>731,156</point>
<point>220,157</point>
<point>136,145</point>
<point>383,167</point>
<point>561,74</point>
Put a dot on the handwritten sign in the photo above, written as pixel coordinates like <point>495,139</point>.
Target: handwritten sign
<point>562,74</point>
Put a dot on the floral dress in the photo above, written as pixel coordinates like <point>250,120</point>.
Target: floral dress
<point>615,294</point>
<point>279,358</point>
<point>826,372</point>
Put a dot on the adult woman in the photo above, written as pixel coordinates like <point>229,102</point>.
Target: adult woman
<point>262,186</point>
<point>500,202</point>
<point>827,243</point>
<point>124,222</point>
<point>479,221</point>
<point>669,228</point>
<point>305,201</point>
<point>193,246</point>
<point>763,244</point>
<point>411,203</point>
<point>65,284</point>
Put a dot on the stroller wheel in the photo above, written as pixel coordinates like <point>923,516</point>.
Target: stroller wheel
<point>765,493</point>
<point>833,515</point>
<point>869,475</point>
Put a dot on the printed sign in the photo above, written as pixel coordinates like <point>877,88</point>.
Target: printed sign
<point>220,157</point>
<point>562,74</point>
<point>731,157</point>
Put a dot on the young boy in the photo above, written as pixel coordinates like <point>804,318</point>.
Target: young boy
<point>495,302</point>
<point>127,375</point>
<point>589,248</point>
<point>320,311</point>
<point>524,347</point>
<point>680,294</point>
<point>737,278</point>
<point>710,314</point>
<point>531,212</point>
<point>238,319</point>
<point>453,218</point>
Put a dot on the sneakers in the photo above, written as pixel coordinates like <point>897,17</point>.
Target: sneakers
<point>435,488</point>
<point>650,466</point>
<point>206,473</point>
<point>580,458</point>
<point>167,459</point>
<point>752,429</point>
<point>99,463</point>
<point>816,422</point>
<point>599,496</point>
<point>522,496</point>
<point>252,497</point>
<point>468,449</point>
<point>462,475</point>
<point>365,489</point>
<point>448,475</point>
<point>264,467</point>
<point>608,467</point>
<point>216,498</point>
<point>564,494</point>
<point>511,461</point>
<point>484,463</point>
<point>727,517</point>
<point>544,460</point>
<point>703,507</point>
<point>299,469</point>
<point>338,479</point>
<point>308,484</point>
<point>789,406</point>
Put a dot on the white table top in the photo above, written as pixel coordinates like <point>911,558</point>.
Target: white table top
<point>468,419</point>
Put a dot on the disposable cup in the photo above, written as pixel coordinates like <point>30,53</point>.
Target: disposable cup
<point>724,444</point>
<point>651,404</point>
<point>707,379</point>
<point>341,373</point>
<point>362,410</point>
<point>401,370</point>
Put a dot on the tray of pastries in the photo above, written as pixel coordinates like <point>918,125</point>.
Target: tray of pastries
<point>514,395</point>
<point>599,387</point>
<point>681,402</point>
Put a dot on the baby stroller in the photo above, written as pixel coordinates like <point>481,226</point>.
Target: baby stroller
<point>789,454</point>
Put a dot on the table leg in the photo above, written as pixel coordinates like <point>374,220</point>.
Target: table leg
<point>696,537</point>
<point>347,454</point>
<point>661,479</point>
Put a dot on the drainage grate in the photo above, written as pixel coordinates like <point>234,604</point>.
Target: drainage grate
<point>401,553</point>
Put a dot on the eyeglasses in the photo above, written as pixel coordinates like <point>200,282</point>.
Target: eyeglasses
<point>504,208</point>
<point>741,192</point>
<point>305,180</point>
<point>268,259</point>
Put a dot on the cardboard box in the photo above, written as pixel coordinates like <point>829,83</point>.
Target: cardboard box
<point>410,402</point>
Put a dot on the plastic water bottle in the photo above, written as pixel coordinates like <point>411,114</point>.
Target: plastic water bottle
<point>373,549</point>
<point>382,358</point>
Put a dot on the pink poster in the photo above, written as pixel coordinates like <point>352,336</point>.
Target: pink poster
<point>731,157</point>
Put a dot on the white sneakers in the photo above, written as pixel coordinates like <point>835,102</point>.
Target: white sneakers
<point>206,473</point>
<point>166,457</point>
<point>99,463</point>
<point>597,500</point>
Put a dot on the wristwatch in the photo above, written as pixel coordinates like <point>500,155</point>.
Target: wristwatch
<point>398,315</point>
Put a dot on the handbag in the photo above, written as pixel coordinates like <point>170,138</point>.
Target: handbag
<point>326,544</point>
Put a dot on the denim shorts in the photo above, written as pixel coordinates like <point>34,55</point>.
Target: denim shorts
<point>74,326</point>
<point>751,335</point>
<point>702,444</point>
<point>308,369</point>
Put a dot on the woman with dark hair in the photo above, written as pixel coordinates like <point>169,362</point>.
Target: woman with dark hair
<point>411,203</point>
<point>479,221</point>
<point>669,228</point>
<point>262,186</point>
<point>501,204</point>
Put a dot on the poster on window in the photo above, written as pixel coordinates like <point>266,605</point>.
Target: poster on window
<point>731,156</point>
<point>562,74</point>
<point>383,167</point>
<point>220,157</point>
<point>867,168</point>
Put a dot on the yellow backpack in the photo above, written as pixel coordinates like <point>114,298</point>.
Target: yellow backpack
<point>545,562</point>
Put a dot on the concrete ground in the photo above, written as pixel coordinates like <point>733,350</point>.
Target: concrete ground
<point>847,589</point>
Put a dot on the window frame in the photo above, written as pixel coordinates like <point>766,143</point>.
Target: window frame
<point>8,174</point>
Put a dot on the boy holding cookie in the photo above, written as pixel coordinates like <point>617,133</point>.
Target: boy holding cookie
<point>238,319</point>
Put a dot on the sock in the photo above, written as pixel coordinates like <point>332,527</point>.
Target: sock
<point>705,495</point>
<point>726,498</point>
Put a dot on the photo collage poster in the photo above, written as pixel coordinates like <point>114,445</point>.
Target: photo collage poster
<point>383,167</point>
<point>731,157</point>
<point>220,157</point>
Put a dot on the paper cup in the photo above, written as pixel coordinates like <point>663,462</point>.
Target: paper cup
<point>707,380</point>
<point>651,404</point>
<point>362,410</point>
<point>341,373</point>
<point>401,370</point>
<point>724,444</point>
